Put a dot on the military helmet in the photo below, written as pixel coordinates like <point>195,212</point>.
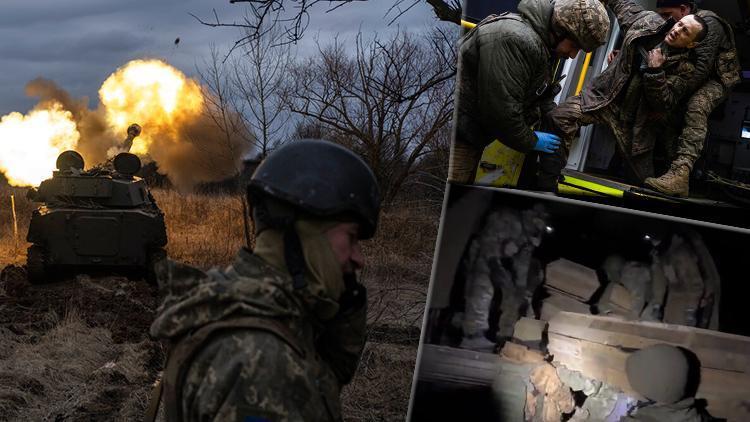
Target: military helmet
<point>659,372</point>
<point>320,178</point>
<point>585,21</point>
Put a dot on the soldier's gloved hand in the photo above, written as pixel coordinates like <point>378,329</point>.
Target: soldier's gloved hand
<point>547,142</point>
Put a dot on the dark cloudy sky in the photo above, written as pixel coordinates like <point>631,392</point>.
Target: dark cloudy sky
<point>78,43</point>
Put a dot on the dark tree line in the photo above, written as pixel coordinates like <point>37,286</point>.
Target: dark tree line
<point>389,100</point>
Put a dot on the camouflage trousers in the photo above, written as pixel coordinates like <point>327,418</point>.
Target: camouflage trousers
<point>566,119</point>
<point>569,117</point>
<point>700,106</point>
<point>484,278</point>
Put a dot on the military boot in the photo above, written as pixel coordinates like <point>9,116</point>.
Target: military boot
<point>675,181</point>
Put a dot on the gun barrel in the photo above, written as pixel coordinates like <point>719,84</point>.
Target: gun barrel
<point>133,131</point>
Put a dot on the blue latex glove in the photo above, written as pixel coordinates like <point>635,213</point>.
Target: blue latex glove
<point>546,142</point>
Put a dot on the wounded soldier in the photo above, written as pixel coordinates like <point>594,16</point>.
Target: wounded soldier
<point>640,93</point>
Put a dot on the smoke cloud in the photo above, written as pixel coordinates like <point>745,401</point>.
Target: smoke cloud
<point>190,150</point>
<point>96,137</point>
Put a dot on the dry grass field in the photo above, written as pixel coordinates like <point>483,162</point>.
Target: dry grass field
<point>79,349</point>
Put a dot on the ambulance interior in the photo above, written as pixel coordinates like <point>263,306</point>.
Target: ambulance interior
<point>594,170</point>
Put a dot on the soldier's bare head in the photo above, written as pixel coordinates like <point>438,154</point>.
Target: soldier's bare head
<point>688,32</point>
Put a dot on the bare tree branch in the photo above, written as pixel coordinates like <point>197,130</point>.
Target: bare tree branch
<point>293,17</point>
<point>390,101</point>
<point>259,77</point>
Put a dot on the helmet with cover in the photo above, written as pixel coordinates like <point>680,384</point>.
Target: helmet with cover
<point>584,21</point>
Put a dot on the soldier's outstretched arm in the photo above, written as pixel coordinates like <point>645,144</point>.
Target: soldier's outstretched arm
<point>250,375</point>
<point>627,12</point>
<point>505,76</point>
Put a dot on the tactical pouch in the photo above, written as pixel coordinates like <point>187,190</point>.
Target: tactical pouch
<point>728,68</point>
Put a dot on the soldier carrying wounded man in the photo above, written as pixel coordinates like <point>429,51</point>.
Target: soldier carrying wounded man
<point>639,96</point>
<point>717,71</point>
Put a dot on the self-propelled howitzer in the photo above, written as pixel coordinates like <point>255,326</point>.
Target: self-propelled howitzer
<point>101,219</point>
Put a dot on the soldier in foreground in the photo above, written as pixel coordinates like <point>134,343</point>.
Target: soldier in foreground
<point>716,61</point>
<point>506,76</point>
<point>277,334</point>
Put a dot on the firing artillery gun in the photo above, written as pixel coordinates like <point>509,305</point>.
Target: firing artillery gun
<point>103,219</point>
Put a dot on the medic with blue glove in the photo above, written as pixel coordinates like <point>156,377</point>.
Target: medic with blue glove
<point>546,142</point>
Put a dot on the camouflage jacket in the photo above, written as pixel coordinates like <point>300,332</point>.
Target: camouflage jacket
<point>648,100</point>
<point>505,77</point>
<point>642,28</point>
<point>717,54</point>
<point>682,411</point>
<point>658,113</point>
<point>264,357</point>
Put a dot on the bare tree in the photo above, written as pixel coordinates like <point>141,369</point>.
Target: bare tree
<point>431,173</point>
<point>388,100</point>
<point>221,109</point>
<point>293,16</point>
<point>258,78</point>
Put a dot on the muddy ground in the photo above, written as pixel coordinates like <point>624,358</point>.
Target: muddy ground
<point>78,350</point>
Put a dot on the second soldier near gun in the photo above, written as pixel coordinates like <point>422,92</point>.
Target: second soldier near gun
<point>505,82</point>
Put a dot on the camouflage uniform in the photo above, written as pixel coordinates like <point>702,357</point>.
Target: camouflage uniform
<point>717,60</point>
<point>501,258</point>
<point>661,373</point>
<point>683,411</point>
<point>637,103</point>
<point>275,335</point>
<point>505,75</point>
<point>270,360</point>
<point>693,283</point>
<point>645,283</point>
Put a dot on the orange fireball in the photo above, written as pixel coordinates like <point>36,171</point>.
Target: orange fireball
<point>153,94</point>
<point>30,144</point>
